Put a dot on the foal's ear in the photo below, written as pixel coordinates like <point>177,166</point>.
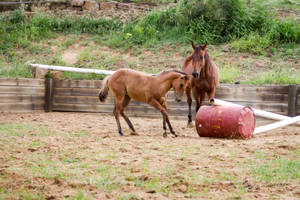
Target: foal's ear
<point>186,77</point>
<point>204,46</point>
<point>193,45</point>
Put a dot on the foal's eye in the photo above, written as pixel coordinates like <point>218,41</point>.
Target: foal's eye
<point>180,85</point>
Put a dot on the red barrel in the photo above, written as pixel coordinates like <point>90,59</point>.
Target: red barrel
<point>225,122</point>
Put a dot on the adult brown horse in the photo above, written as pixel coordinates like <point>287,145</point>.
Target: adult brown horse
<point>205,77</point>
<point>127,84</point>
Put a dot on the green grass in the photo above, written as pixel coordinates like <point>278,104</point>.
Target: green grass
<point>276,76</point>
<point>10,129</point>
<point>279,170</point>
<point>228,74</point>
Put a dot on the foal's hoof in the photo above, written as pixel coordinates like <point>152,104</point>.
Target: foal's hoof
<point>190,125</point>
<point>165,134</point>
<point>174,134</point>
<point>134,133</point>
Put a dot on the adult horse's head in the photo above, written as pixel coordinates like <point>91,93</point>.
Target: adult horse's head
<point>198,59</point>
<point>179,86</point>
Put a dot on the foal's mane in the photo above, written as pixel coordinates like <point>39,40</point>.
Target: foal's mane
<point>168,71</point>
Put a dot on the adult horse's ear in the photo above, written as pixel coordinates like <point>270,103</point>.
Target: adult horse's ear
<point>204,46</point>
<point>193,45</point>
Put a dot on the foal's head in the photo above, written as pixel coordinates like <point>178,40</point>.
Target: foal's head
<point>179,85</point>
<point>198,59</point>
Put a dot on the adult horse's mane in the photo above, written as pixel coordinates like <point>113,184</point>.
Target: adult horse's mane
<point>210,71</point>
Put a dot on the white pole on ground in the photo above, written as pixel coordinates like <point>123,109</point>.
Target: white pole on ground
<point>257,112</point>
<point>277,125</point>
<point>73,69</point>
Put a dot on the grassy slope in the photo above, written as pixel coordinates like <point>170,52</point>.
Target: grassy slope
<point>235,61</point>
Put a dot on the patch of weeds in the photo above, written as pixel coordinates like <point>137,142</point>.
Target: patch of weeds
<point>9,129</point>
<point>44,167</point>
<point>20,194</point>
<point>286,51</point>
<point>228,74</point>
<point>80,134</point>
<point>106,178</point>
<point>252,43</point>
<point>70,40</point>
<point>86,55</point>
<point>82,76</point>
<point>15,69</point>
<point>276,75</point>
<point>226,176</point>
<point>277,171</point>
<point>153,184</point>
<point>128,197</point>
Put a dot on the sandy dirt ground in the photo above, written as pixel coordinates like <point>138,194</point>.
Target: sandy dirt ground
<point>80,155</point>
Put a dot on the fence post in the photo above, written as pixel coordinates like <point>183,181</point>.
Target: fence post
<point>292,102</point>
<point>48,94</point>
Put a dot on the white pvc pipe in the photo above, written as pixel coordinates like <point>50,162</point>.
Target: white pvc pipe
<point>257,112</point>
<point>73,69</point>
<point>277,125</point>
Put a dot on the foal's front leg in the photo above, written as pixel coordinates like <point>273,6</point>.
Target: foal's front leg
<point>164,119</point>
<point>163,111</point>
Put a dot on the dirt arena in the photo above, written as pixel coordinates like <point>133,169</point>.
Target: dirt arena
<point>81,156</point>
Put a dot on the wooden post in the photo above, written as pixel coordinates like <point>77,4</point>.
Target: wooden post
<point>48,94</point>
<point>292,103</point>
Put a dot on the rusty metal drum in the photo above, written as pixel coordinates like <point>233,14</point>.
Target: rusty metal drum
<point>225,122</point>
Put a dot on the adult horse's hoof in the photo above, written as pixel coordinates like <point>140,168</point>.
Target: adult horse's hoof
<point>190,125</point>
<point>212,101</point>
<point>134,133</point>
<point>165,134</point>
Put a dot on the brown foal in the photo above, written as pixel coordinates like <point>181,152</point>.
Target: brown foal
<point>127,84</point>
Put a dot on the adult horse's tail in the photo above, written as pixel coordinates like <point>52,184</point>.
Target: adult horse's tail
<point>104,89</point>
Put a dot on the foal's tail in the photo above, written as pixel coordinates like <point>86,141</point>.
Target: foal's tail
<point>104,89</point>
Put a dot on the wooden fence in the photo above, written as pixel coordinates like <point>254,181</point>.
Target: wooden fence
<point>21,95</point>
<point>74,95</point>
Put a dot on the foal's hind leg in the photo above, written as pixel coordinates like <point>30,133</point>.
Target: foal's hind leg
<point>126,101</point>
<point>117,110</point>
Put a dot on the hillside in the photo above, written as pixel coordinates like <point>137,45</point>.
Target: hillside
<point>150,41</point>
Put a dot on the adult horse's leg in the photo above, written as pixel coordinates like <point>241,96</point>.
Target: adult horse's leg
<point>117,110</point>
<point>197,98</point>
<point>157,105</point>
<point>189,101</point>
<point>202,96</point>
<point>211,96</point>
<point>126,101</point>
